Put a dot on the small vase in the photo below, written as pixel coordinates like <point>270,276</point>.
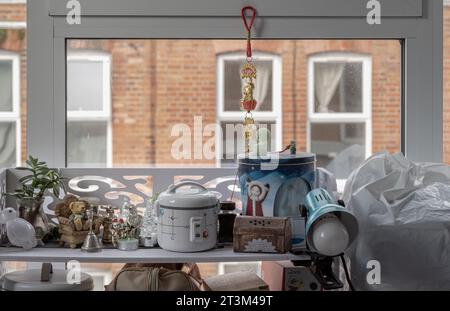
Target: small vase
<point>128,244</point>
<point>31,210</point>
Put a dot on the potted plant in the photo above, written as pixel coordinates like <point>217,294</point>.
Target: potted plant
<point>30,195</point>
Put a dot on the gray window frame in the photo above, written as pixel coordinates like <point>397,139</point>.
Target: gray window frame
<point>418,23</point>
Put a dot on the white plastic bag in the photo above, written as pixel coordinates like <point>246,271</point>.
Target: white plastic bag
<point>403,210</point>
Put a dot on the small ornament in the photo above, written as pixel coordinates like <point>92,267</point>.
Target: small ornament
<point>248,74</point>
<point>149,228</point>
<point>19,231</point>
<point>125,227</point>
<point>107,222</point>
<point>91,243</point>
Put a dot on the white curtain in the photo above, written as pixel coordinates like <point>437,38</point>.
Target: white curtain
<point>326,80</point>
<point>262,82</point>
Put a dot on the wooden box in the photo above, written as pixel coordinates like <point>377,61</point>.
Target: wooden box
<point>262,234</point>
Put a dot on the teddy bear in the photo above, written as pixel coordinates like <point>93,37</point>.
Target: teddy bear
<point>78,209</point>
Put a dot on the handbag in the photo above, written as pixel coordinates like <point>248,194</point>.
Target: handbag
<point>157,277</point>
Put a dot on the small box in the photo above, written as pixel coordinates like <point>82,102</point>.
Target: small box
<point>284,276</point>
<point>236,281</point>
<point>262,234</point>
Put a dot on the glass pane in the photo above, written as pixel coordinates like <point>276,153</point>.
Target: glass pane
<point>84,85</point>
<point>166,91</point>
<point>233,86</point>
<point>338,87</point>
<point>7,144</point>
<point>86,144</point>
<point>340,147</point>
<point>233,141</point>
<point>446,82</point>
<point>6,86</point>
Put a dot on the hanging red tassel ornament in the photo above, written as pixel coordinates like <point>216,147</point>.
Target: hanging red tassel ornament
<point>248,74</point>
<point>248,71</point>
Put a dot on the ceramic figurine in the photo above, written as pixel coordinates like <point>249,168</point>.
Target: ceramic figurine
<point>19,231</point>
<point>107,221</point>
<point>125,228</point>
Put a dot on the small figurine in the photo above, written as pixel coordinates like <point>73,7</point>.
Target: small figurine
<point>62,208</point>
<point>256,194</point>
<point>74,223</point>
<point>125,228</point>
<point>248,73</point>
<point>19,231</point>
<point>78,210</point>
<point>107,221</point>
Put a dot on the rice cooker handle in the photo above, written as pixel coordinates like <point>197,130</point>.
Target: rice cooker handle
<point>173,188</point>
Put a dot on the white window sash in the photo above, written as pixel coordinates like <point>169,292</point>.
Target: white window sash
<point>274,116</point>
<point>105,113</point>
<point>14,115</point>
<point>326,118</point>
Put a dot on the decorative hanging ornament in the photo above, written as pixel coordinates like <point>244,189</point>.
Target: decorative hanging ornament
<point>248,74</point>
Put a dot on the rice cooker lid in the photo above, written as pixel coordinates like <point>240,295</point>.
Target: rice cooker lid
<point>180,196</point>
<point>30,280</point>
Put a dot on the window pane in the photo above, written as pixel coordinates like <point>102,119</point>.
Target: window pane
<point>159,86</point>
<point>338,87</point>
<point>233,85</point>
<point>6,86</point>
<point>7,144</point>
<point>446,54</point>
<point>340,147</point>
<point>86,144</point>
<point>84,85</point>
<point>233,141</point>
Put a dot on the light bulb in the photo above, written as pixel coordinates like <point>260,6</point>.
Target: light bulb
<point>330,237</point>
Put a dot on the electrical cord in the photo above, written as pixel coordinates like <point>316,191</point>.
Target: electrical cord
<point>347,275</point>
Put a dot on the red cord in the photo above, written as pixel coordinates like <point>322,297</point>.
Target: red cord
<point>248,26</point>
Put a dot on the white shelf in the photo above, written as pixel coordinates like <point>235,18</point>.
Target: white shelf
<point>154,255</point>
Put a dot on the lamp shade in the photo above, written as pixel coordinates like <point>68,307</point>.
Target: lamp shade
<point>330,227</point>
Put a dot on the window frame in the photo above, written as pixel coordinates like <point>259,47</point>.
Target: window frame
<point>105,114</point>
<point>418,24</point>
<point>352,117</point>
<point>276,115</point>
<point>14,115</point>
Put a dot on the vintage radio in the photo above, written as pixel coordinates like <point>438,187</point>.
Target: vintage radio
<point>254,234</point>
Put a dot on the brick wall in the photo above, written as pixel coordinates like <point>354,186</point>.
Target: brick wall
<point>13,12</point>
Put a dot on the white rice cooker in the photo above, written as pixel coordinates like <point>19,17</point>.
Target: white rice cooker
<point>187,218</point>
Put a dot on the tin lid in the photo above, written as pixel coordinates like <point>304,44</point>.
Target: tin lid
<point>30,280</point>
<point>282,158</point>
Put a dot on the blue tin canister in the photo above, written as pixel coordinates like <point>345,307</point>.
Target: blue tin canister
<point>276,186</point>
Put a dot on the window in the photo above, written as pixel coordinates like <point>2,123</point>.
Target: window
<point>89,133</point>
<point>229,91</point>
<point>339,110</point>
<point>10,133</point>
